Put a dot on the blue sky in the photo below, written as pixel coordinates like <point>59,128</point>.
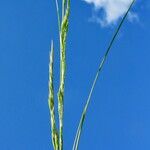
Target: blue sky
<point>119,114</point>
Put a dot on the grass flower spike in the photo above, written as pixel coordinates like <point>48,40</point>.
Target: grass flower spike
<point>63,36</point>
<point>54,132</point>
<point>57,137</point>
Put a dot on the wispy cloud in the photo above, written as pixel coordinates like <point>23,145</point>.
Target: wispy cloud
<point>113,10</point>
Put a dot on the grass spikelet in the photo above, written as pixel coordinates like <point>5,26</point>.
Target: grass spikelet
<point>82,119</point>
<point>54,133</point>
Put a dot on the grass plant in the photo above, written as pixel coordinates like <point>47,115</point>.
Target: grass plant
<point>63,21</point>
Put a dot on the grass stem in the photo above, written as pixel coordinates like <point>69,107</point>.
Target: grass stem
<point>82,119</point>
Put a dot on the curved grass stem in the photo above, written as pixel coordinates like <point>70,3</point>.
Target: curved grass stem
<point>82,119</point>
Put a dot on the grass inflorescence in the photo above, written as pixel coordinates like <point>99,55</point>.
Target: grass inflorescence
<point>57,136</point>
<point>54,132</point>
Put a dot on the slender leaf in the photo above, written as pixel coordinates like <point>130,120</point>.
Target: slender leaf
<point>79,130</point>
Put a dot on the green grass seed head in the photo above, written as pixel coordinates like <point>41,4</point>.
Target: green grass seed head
<point>54,132</point>
<point>60,95</point>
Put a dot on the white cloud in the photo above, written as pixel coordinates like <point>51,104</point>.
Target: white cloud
<point>113,10</point>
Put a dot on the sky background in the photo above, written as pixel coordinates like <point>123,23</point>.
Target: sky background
<point>119,114</point>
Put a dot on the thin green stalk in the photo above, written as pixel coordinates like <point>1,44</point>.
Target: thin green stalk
<point>54,132</point>
<point>58,15</point>
<point>79,130</point>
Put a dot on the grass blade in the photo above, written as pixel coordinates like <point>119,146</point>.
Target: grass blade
<point>79,130</point>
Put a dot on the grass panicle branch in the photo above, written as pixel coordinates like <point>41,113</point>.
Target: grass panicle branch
<point>54,131</point>
<point>82,119</point>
